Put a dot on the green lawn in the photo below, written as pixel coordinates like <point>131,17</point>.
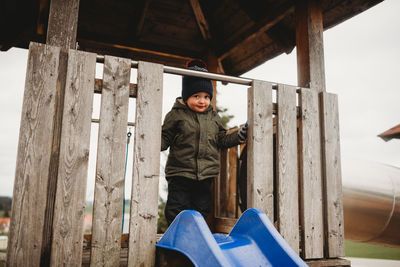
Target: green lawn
<point>364,250</point>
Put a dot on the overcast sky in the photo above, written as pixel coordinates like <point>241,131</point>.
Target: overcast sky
<point>362,64</point>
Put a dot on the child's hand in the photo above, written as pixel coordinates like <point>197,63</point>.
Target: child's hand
<point>243,132</point>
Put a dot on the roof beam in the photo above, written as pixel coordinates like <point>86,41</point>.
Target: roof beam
<point>248,33</point>
<point>201,20</point>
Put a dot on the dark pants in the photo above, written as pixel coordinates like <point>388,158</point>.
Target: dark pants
<point>187,194</point>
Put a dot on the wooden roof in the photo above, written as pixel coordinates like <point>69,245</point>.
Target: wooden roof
<point>242,34</point>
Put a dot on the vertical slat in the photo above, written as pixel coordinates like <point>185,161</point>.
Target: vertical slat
<point>260,148</point>
<point>146,166</point>
<point>222,191</point>
<point>109,188</point>
<point>74,155</point>
<point>333,204</point>
<point>33,160</point>
<point>232,171</point>
<point>286,160</point>
<point>311,216</point>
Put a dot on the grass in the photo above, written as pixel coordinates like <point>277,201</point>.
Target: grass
<point>364,250</point>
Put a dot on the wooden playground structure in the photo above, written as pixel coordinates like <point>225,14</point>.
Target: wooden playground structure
<point>293,154</point>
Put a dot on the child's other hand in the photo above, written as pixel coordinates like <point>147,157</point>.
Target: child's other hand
<point>243,132</point>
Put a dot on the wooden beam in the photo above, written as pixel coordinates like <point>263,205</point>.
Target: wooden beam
<point>310,47</point>
<point>140,16</point>
<point>63,23</point>
<point>98,88</point>
<point>252,32</point>
<point>201,20</point>
<point>34,158</point>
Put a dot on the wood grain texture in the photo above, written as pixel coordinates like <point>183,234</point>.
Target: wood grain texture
<point>146,166</point>
<point>309,44</point>
<point>74,156</point>
<point>311,212</point>
<point>332,175</point>
<point>232,171</point>
<point>33,157</point>
<point>260,183</point>
<point>286,160</point>
<point>98,87</point>
<point>109,187</point>
<point>63,23</point>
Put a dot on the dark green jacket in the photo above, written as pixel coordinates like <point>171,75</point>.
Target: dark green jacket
<point>194,140</point>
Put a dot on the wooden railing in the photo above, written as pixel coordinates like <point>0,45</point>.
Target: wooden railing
<point>291,171</point>
<point>304,191</point>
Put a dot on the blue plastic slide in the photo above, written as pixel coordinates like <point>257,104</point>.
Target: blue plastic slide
<point>253,241</point>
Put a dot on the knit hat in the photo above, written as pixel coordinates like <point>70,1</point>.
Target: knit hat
<point>192,85</point>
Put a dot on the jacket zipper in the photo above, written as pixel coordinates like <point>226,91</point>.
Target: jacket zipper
<point>197,146</point>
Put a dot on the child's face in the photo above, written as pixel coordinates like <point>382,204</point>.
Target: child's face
<point>199,102</point>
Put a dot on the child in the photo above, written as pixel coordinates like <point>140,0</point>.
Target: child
<point>194,133</point>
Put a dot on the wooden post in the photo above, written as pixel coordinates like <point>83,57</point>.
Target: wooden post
<point>309,43</point>
<point>334,226</point>
<point>63,23</point>
<point>146,166</point>
<point>34,157</point>
<point>108,195</point>
<point>286,166</point>
<point>260,185</point>
<point>311,212</point>
<point>70,204</point>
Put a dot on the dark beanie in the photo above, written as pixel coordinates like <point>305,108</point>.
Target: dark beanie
<point>192,85</point>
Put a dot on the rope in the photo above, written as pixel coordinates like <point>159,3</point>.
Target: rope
<point>129,134</point>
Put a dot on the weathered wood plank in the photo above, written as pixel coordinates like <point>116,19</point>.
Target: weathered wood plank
<point>33,158</point>
<point>74,156</point>
<point>98,87</point>
<point>286,160</point>
<point>109,187</point>
<point>146,166</point>
<point>222,186</point>
<point>260,178</point>
<point>232,172</point>
<point>63,23</point>
<point>332,175</point>
<point>311,212</point>
<point>310,45</point>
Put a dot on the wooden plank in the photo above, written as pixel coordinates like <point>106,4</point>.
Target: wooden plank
<point>63,23</point>
<point>224,224</point>
<point>251,32</point>
<point>309,45</point>
<point>286,166</point>
<point>201,20</point>
<point>222,186</point>
<point>260,177</point>
<point>146,166</point>
<point>109,187</point>
<point>33,157</point>
<point>98,87</point>
<point>332,175</point>
<point>74,155</point>
<point>311,212</point>
<point>329,262</point>
<point>232,174</point>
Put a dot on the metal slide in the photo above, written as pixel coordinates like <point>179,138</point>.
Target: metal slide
<point>253,241</point>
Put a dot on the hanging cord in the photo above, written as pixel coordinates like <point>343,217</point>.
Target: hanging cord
<point>129,134</point>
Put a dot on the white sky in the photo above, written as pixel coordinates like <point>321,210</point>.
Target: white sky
<point>362,64</point>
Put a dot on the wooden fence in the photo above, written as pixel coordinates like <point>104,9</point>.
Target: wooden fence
<point>293,169</point>
<point>304,191</point>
